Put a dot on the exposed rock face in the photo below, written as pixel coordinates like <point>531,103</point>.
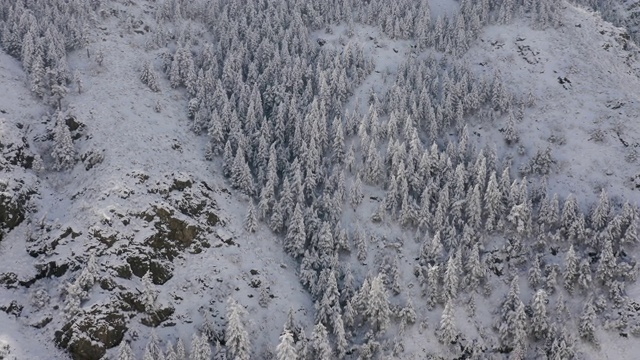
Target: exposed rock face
<point>15,183</point>
<point>179,212</point>
<point>89,335</point>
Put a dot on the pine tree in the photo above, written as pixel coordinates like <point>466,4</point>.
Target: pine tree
<point>451,278</point>
<point>152,351</point>
<point>251,221</point>
<point>360,241</point>
<point>607,266</point>
<point>569,213</point>
<point>125,352</point>
<point>586,327</point>
<point>170,352</point>
<point>340,336</point>
<point>286,350</point>
<point>570,270</point>
<point>600,215</point>
<point>77,79</point>
<point>535,273</point>
<point>200,349</point>
<point>89,273</point>
<point>320,342</point>
<point>149,77</point>
<point>58,92</point>
<point>378,311</point>
<point>296,234</point>
<point>493,203</point>
<point>276,223</point>
<point>328,305</point>
<point>63,152</point>
<point>150,294</point>
<point>540,320</point>
<point>181,352</point>
<point>447,331</point>
<point>236,337</point>
<point>511,134</point>
<point>513,319</point>
<point>241,173</point>
<point>476,270</point>
<point>355,194</point>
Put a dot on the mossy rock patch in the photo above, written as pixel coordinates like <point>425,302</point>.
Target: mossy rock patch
<point>157,317</point>
<point>161,271</point>
<point>90,334</point>
<point>173,235</point>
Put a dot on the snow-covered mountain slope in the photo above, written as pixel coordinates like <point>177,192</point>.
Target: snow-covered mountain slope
<point>151,200</point>
<point>140,240</point>
<point>583,77</point>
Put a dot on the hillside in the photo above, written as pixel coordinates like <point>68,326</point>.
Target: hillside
<point>328,180</point>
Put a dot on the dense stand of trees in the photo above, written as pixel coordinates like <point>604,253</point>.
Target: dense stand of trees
<point>274,107</point>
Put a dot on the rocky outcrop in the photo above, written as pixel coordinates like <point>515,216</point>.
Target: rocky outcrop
<point>89,335</point>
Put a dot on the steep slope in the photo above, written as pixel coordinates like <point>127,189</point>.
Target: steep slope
<point>583,78</point>
<point>145,236</point>
<point>141,197</point>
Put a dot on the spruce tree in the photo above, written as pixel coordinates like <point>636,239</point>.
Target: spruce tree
<point>125,352</point>
<point>149,77</point>
<point>296,237</point>
<point>63,152</point>
<point>570,273</point>
<point>152,350</point>
<point>286,349</point>
<point>236,337</point>
<point>320,343</point>
<point>447,330</point>
<point>251,221</point>
<point>378,311</point>
<point>540,320</point>
<point>586,326</point>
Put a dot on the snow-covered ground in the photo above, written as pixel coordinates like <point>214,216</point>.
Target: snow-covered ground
<point>583,76</point>
<point>588,121</point>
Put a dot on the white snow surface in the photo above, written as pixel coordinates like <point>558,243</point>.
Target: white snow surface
<point>117,110</point>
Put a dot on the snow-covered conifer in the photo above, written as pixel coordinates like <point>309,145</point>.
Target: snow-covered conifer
<point>378,311</point>
<point>181,352</point>
<point>276,223</point>
<point>200,349</point>
<point>150,293</point>
<point>607,266</point>
<point>447,332</point>
<point>152,351</point>
<point>251,221</point>
<point>286,349</point>
<point>320,343</point>
<point>433,285</point>
<point>451,278</point>
<point>170,352</point>
<point>540,319</point>
<point>63,152</point>
<point>241,173</point>
<point>125,352</point>
<point>236,337</point>
<point>584,275</point>
<point>493,203</point>
<point>77,79</point>
<point>149,77</point>
<point>355,194</point>
<point>586,326</point>
<point>600,215</point>
<point>360,242</point>
<point>535,273</point>
<point>296,237</point>
<point>511,135</point>
<point>476,270</point>
<point>570,273</point>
